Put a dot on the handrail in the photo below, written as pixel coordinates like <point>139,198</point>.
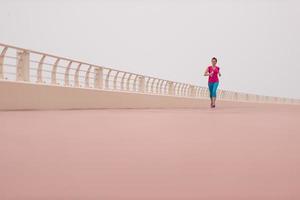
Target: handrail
<point>19,64</point>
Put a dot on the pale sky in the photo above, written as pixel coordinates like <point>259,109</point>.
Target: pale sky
<point>256,41</point>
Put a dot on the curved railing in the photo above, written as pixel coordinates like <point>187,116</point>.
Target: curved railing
<point>19,64</point>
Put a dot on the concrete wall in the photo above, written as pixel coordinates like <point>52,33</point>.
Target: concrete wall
<point>24,95</point>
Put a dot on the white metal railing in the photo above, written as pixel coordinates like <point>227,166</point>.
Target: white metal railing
<point>19,64</point>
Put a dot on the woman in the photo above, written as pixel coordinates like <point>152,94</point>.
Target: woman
<point>213,72</point>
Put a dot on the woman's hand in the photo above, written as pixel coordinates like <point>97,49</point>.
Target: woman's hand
<point>206,73</point>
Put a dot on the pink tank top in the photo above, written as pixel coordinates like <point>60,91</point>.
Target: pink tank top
<point>214,77</point>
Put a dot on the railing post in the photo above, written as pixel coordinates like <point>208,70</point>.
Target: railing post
<point>53,73</point>
<point>165,87</point>
<point>87,77</point>
<point>142,84</point>
<point>157,88</point>
<point>171,88</point>
<point>40,70</point>
<point>98,79</point>
<point>134,82</point>
<point>76,77</point>
<point>160,86</point>
<point>128,82</point>
<point>107,79</point>
<point>152,83</point>
<point>67,83</point>
<point>183,89</point>
<point>122,80</point>
<point>187,90</point>
<point>220,94</point>
<point>22,66</point>
<point>192,91</point>
<point>202,92</point>
<point>175,88</point>
<point>115,79</point>
<point>236,96</point>
<point>196,90</point>
<point>2,61</point>
<point>147,85</point>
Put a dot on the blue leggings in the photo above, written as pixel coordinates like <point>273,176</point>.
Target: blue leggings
<point>213,89</point>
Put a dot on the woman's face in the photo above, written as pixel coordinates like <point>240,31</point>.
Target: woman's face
<point>213,62</point>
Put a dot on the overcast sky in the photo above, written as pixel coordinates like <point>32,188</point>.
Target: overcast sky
<point>256,41</point>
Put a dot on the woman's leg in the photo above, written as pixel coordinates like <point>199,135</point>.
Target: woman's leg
<point>210,87</point>
<point>214,92</point>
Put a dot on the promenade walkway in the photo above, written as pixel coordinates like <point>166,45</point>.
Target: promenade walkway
<point>237,151</point>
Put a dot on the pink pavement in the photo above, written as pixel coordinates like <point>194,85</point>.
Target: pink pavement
<point>236,151</point>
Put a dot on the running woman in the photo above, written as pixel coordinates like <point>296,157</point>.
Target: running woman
<point>213,71</point>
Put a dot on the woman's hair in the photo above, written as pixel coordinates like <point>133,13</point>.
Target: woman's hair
<point>214,58</point>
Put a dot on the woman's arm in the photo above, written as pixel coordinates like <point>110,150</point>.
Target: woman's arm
<point>206,73</point>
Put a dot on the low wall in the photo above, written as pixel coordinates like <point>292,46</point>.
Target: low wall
<point>27,96</point>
